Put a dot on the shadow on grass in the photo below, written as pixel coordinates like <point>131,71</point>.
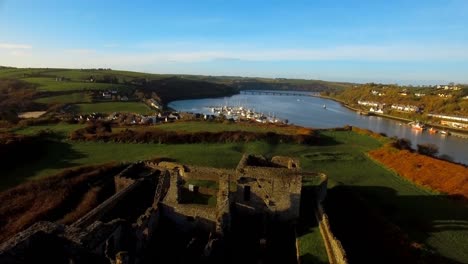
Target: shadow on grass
<point>375,223</point>
<point>308,226</point>
<point>311,259</point>
<point>28,161</point>
<point>325,140</point>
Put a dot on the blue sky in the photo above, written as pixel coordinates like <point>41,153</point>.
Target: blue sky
<point>368,40</point>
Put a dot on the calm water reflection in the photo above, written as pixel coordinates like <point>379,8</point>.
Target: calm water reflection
<point>309,111</point>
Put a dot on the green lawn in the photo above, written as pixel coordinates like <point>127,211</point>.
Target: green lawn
<point>203,183</point>
<point>50,85</point>
<point>82,97</point>
<point>311,247</point>
<point>110,107</point>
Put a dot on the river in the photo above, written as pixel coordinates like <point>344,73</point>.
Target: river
<point>308,111</point>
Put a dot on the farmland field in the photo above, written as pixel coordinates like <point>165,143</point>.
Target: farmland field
<point>66,98</point>
<point>110,107</point>
<point>62,128</point>
<point>50,85</point>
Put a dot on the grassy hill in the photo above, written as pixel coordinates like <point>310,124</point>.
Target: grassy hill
<point>48,87</point>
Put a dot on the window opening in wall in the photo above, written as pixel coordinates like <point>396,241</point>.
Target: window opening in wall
<point>246,193</point>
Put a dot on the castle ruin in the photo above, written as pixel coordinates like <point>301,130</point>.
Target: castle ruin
<point>168,212</point>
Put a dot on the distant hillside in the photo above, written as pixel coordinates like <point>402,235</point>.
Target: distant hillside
<point>51,86</point>
<point>106,75</point>
<point>286,84</point>
<point>176,88</point>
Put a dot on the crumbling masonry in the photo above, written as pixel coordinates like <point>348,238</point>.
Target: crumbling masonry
<point>121,229</point>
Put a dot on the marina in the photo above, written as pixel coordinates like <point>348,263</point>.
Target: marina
<point>244,113</point>
<point>309,111</point>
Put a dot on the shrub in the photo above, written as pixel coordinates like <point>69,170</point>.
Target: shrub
<point>403,144</point>
<point>428,149</point>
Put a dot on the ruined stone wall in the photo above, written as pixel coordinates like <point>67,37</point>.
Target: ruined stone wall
<point>171,166</point>
<point>121,183</point>
<point>148,222</point>
<point>335,251</point>
<point>322,188</point>
<point>223,214</point>
<point>47,242</point>
<point>286,162</point>
<point>173,193</point>
<point>191,216</point>
<point>187,216</point>
<point>205,173</point>
<point>277,190</point>
<point>105,240</point>
<point>106,206</point>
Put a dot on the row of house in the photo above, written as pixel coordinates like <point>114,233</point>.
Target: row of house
<point>455,118</point>
<point>370,103</point>
<point>134,119</point>
<point>449,87</point>
<point>405,108</point>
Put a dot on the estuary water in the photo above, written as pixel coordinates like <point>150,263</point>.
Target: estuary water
<point>309,111</point>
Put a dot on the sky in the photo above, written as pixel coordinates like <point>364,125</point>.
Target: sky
<point>398,41</point>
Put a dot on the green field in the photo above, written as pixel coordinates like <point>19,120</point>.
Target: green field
<point>50,85</point>
<point>426,216</point>
<point>63,129</point>
<point>76,74</point>
<point>66,99</point>
<point>111,107</point>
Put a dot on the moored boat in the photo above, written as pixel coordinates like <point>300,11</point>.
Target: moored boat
<point>444,133</point>
<point>417,125</point>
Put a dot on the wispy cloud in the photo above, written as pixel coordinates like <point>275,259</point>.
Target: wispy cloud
<point>356,53</point>
<point>184,58</point>
<point>80,51</point>
<point>193,52</point>
<point>20,53</point>
<point>14,46</point>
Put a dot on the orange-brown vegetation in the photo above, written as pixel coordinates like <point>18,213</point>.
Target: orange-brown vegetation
<point>89,201</point>
<point>67,196</point>
<point>16,96</point>
<point>436,174</point>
